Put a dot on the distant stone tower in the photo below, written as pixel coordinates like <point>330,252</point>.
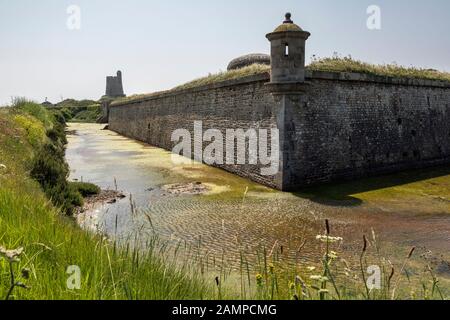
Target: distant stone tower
<point>288,52</point>
<point>114,87</point>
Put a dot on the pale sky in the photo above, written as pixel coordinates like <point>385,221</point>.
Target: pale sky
<point>160,44</point>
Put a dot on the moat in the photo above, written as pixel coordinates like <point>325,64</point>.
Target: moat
<point>227,216</point>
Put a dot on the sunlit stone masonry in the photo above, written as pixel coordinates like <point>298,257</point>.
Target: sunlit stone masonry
<point>333,126</point>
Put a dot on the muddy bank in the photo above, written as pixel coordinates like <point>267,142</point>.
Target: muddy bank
<point>87,215</point>
<point>104,197</point>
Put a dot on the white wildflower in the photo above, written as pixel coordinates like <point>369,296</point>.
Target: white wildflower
<point>319,278</point>
<point>329,239</point>
<point>333,255</point>
<point>11,255</point>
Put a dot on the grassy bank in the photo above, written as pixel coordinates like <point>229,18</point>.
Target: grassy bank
<point>52,242</point>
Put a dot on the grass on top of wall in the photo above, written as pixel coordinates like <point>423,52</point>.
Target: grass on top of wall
<point>254,69</point>
<point>348,64</point>
<point>333,64</point>
<point>203,81</point>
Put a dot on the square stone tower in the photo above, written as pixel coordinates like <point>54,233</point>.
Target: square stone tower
<point>114,87</point>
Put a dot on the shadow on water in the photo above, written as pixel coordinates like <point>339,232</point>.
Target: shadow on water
<point>342,194</point>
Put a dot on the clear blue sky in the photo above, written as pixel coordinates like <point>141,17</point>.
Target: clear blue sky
<point>159,44</point>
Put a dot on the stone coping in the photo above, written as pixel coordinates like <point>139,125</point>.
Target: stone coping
<point>309,75</point>
<point>365,77</point>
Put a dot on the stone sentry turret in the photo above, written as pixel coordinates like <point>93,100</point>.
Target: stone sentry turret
<point>287,55</point>
<point>114,87</point>
<point>287,85</point>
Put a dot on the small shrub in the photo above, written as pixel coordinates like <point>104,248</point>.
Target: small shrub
<point>57,136</point>
<point>91,114</point>
<point>63,196</point>
<point>48,169</point>
<point>57,133</point>
<point>67,114</point>
<point>51,171</point>
<point>58,115</point>
<point>85,189</point>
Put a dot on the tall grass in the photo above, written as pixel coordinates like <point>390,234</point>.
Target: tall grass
<point>335,278</point>
<point>52,243</point>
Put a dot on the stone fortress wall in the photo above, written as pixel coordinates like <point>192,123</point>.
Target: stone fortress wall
<point>332,126</point>
<point>240,104</point>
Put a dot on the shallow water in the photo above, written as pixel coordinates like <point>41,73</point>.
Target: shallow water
<point>238,216</point>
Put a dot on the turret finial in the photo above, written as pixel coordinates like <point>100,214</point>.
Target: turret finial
<point>288,18</point>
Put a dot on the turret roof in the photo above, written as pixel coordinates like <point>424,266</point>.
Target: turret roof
<point>288,25</point>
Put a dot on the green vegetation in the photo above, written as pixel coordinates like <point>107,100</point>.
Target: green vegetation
<point>254,69</point>
<point>90,115</point>
<point>348,64</point>
<point>51,171</point>
<point>45,132</point>
<point>33,127</point>
<point>87,111</point>
<point>334,64</point>
<point>85,189</point>
<point>39,243</point>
